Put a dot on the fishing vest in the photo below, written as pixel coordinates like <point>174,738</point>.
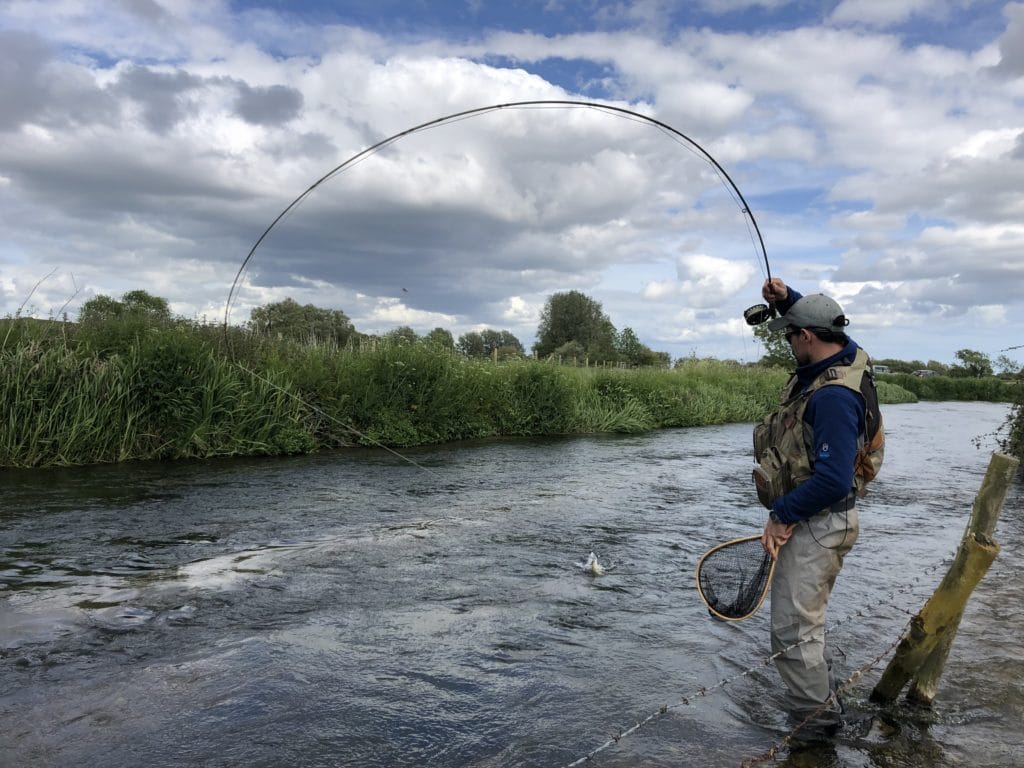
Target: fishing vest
<point>784,442</point>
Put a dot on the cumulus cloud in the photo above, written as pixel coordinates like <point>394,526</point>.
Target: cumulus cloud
<point>1018,147</point>
<point>153,143</point>
<point>162,97</point>
<point>391,312</point>
<point>1011,44</point>
<point>879,13</point>
<point>703,281</point>
<point>39,88</point>
<point>519,312</point>
<point>22,80</point>
<point>269,105</point>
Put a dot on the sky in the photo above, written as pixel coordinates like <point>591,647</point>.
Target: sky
<point>878,146</point>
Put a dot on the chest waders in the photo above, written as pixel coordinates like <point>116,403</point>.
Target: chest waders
<point>808,564</point>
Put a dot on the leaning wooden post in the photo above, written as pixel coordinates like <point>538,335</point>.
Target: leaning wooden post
<point>921,655</point>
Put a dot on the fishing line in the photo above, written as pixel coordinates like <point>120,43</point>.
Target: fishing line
<point>752,232</point>
<point>703,691</point>
<point>616,111</point>
<point>320,411</point>
<point>677,136</point>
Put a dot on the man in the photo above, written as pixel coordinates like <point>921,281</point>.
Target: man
<point>812,465</point>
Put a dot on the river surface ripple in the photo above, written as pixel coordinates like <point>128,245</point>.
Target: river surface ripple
<point>350,609</point>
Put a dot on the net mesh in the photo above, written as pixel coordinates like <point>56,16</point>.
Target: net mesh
<point>733,578</point>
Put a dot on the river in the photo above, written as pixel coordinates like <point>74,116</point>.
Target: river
<point>356,609</point>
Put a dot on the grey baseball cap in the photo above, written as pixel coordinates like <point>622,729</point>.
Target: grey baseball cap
<point>814,311</point>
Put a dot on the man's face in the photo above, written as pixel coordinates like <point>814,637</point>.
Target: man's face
<point>800,344</point>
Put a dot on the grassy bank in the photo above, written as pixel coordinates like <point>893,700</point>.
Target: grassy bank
<point>124,391</point>
<point>988,388</point>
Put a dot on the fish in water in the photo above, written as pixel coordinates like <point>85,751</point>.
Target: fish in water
<point>592,567</point>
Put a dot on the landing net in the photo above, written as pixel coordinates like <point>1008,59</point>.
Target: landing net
<point>733,578</point>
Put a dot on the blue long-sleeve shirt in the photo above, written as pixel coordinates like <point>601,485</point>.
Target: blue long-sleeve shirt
<point>837,417</point>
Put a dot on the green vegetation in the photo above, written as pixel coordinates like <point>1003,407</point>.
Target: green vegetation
<point>139,305</point>
<point>972,380</point>
<point>131,382</point>
<point>574,327</point>
<point>1013,429</point>
<point>988,388</point>
<point>502,345</point>
<point>1013,442</point>
<point>289,319</point>
<point>776,349</point>
<point>166,394</point>
<point>892,393</point>
<point>970,364</point>
<point>131,388</point>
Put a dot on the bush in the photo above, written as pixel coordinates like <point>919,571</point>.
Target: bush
<point>1013,442</point>
<point>989,388</point>
<point>890,392</point>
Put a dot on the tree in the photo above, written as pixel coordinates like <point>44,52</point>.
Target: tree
<point>972,363</point>
<point>488,341</point>
<point>602,348</point>
<point>471,344</point>
<point>136,304</point>
<point>573,316</point>
<point>143,304</point>
<point>99,309</point>
<point>661,359</point>
<point>570,350</point>
<point>1007,365</point>
<point>1013,442</point>
<point>503,342</point>
<point>403,334</point>
<point>439,337</point>
<point>292,320</point>
<point>777,352</point>
<point>629,349</point>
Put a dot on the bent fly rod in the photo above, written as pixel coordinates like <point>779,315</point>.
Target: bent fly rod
<point>753,315</point>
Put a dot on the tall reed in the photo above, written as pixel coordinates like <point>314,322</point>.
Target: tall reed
<point>131,390</point>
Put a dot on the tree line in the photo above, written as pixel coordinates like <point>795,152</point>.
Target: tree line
<point>573,326</point>
<point>130,380</point>
<point>970,363</point>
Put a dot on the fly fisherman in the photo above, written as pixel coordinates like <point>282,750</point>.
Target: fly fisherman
<point>815,455</point>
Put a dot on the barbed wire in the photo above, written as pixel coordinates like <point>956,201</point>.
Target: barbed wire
<point>704,691</point>
<point>842,688</point>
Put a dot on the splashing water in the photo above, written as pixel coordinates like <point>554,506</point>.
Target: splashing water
<point>592,566</point>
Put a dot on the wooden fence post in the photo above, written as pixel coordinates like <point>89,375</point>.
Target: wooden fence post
<point>922,654</point>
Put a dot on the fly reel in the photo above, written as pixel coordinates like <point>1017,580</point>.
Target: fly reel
<point>758,314</point>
